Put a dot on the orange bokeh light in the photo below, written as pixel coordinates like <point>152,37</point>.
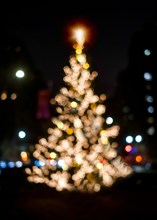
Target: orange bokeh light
<point>138,158</point>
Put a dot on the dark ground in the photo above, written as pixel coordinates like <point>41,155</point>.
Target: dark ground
<point>130,199</point>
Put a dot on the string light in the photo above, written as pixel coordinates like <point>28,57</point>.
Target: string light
<point>79,145</point>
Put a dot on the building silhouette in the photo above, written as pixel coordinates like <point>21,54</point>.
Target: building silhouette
<point>19,99</point>
<point>135,100</point>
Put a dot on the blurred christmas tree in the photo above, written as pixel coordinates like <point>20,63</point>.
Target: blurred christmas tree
<point>78,153</point>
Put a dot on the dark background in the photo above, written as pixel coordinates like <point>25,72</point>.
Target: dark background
<point>43,28</point>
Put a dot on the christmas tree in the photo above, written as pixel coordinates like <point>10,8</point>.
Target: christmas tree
<point>79,153</point>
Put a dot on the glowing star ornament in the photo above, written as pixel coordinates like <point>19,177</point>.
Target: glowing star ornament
<point>79,35</point>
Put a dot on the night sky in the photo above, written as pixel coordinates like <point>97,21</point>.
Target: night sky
<point>43,28</point>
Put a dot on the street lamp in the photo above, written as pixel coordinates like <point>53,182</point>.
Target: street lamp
<point>20,74</point>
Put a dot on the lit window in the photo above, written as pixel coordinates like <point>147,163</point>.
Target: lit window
<point>147,52</point>
<point>13,96</point>
<point>149,98</point>
<point>147,76</point>
<point>150,109</point>
<point>3,96</point>
<point>151,131</point>
<point>150,120</point>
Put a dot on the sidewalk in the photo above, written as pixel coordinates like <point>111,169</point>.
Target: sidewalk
<point>22,200</point>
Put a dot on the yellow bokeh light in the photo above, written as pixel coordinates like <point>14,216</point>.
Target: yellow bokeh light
<point>4,96</point>
<point>73,104</point>
<point>78,51</point>
<point>24,156</point>
<point>105,141</point>
<point>86,65</point>
<point>53,155</point>
<point>99,165</point>
<point>81,58</point>
<point>69,131</point>
<point>60,124</point>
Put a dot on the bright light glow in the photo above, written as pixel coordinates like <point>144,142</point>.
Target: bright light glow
<point>53,155</point>
<point>20,74</point>
<point>24,156</point>
<point>11,164</point>
<point>148,76</point>
<point>73,104</point>
<point>3,164</point>
<point>138,138</point>
<point>61,163</point>
<point>18,164</point>
<point>79,35</point>
<point>129,139</point>
<point>22,134</point>
<point>41,163</point>
<point>149,98</point>
<point>147,52</point>
<point>150,109</point>
<point>109,120</point>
